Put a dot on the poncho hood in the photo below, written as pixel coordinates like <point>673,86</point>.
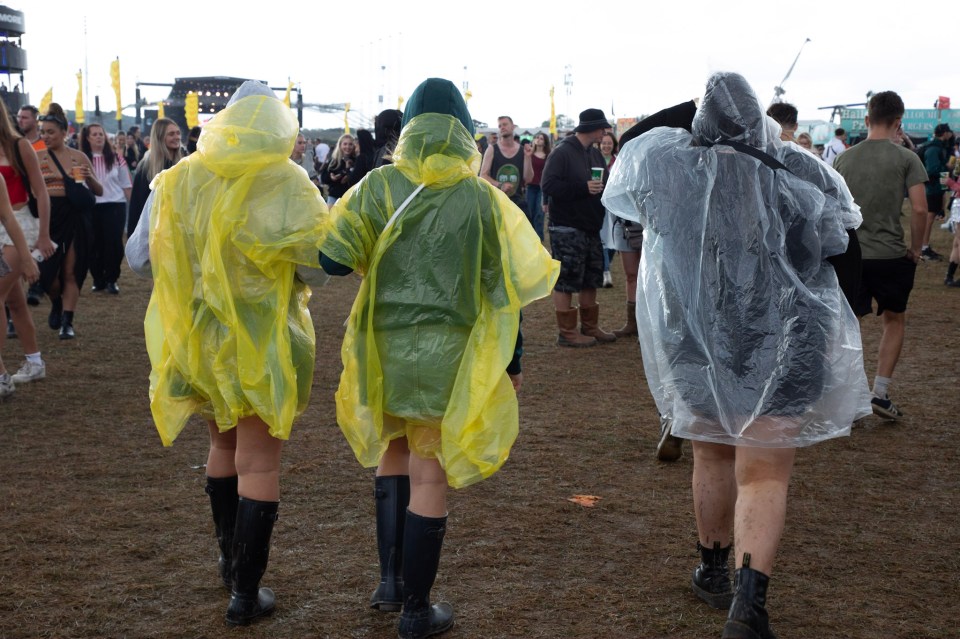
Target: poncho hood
<point>254,131</point>
<point>436,95</point>
<point>436,150</point>
<point>730,111</point>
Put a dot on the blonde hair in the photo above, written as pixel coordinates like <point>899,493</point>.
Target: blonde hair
<point>336,159</point>
<point>160,157</point>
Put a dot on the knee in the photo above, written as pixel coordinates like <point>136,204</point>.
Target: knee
<point>710,453</point>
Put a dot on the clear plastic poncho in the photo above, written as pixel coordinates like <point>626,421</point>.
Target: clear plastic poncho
<point>227,329</point>
<point>745,334</point>
<point>434,324</point>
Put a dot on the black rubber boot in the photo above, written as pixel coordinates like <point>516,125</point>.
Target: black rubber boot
<point>223,504</point>
<point>747,618</point>
<point>66,325</point>
<point>711,579</point>
<point>422,542</point>
<point>251,549</point>
<point>392,495</point>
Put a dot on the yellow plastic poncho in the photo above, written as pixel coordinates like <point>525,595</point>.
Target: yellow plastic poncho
<point>227,329</point>
<point>435,321</point>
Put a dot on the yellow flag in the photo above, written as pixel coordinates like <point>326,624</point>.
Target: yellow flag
<point>46,100</point>
<point>346,123</point>
<point>115,81</point>
<point>399,103</point>
<point>160,110</point>
<point>79,119</point>
<point>191,108</point>
<point>286,98</point>
<point>553,116</point>
<point>467,95</point>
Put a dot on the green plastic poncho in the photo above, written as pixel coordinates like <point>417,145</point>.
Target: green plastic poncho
<point>227,329</point>
<point>435,321</point>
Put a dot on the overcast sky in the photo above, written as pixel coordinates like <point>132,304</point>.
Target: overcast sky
<point>625,57</point>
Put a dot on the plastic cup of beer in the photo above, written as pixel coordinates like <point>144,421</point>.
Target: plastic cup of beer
<point>78,174</point>
<point>596,173</point>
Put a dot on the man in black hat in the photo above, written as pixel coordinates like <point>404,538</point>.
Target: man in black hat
<point>573,179</point>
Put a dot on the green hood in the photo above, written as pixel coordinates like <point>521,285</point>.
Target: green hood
<point>436,95</point>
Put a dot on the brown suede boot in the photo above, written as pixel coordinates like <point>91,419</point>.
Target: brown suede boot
<point>630,328</point>
<point>589,320</point>
<point>569,335</point>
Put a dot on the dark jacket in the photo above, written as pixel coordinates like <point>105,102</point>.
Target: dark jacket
<point>935,156</point>
<point>564,181</point>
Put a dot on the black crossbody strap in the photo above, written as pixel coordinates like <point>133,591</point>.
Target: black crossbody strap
<point>766,158</point>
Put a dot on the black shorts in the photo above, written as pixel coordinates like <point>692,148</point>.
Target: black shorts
<point>849,268</point>
<point>935,203</point>
<point>887,281</point>
<point>581,259</point>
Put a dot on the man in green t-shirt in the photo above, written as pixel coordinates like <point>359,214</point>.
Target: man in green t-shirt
<point>877,172</point>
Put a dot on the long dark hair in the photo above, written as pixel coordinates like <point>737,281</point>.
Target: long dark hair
<point>108,155</point>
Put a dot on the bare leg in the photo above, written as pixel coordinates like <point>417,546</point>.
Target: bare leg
<point>396,460</point>
<point>891,341</point>
<point>631,265</point>
<point>221,460</point>
<point>257,460</point>
<point>587,297</point>
<point>71,292</point>
<point>714,492</point>
<point>428,487</point>
<point>22,319</point>
<point>562,301</point>
<point>763,476</point>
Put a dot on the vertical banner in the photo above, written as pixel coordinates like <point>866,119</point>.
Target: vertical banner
<point>115,82</point>
<point>191,109</point>
<point>160,113</point>
<point>79,118</point>
<point>346,124</point>
<point>286,97</point>
<point>46,100</point>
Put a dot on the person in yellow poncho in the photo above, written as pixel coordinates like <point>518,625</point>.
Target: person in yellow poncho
<point>229,234</point>
<point>447,262</point>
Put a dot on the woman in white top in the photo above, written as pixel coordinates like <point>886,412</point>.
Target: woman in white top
<point>110,214</point>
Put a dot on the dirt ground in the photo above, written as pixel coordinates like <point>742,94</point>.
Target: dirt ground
<point>105,533</point>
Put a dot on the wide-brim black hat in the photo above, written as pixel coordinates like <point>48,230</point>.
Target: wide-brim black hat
<point>591,120</point>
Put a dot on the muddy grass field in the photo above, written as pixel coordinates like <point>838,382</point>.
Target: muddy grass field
<point>105,533</point>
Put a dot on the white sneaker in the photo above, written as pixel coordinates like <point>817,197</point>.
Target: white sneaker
<point>607,280</point>
<point>30,372</point>
<point>6,386</point>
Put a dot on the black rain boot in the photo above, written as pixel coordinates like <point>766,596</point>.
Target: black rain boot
<point>392,495</point>
<point>55,319</point>
<point>251,549</point>
<point>223,504</point>
<point>711,579</point>
<point>748,618</point>
<point>422,542</point>
<point>951,271</point>
<point>66,326</point>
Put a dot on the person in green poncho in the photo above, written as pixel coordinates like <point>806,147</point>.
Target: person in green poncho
<point>431,346</point>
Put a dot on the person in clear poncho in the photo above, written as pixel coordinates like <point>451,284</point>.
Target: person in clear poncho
<point>447,262</point>
<point>225,234</point>
<point>749,347</point>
